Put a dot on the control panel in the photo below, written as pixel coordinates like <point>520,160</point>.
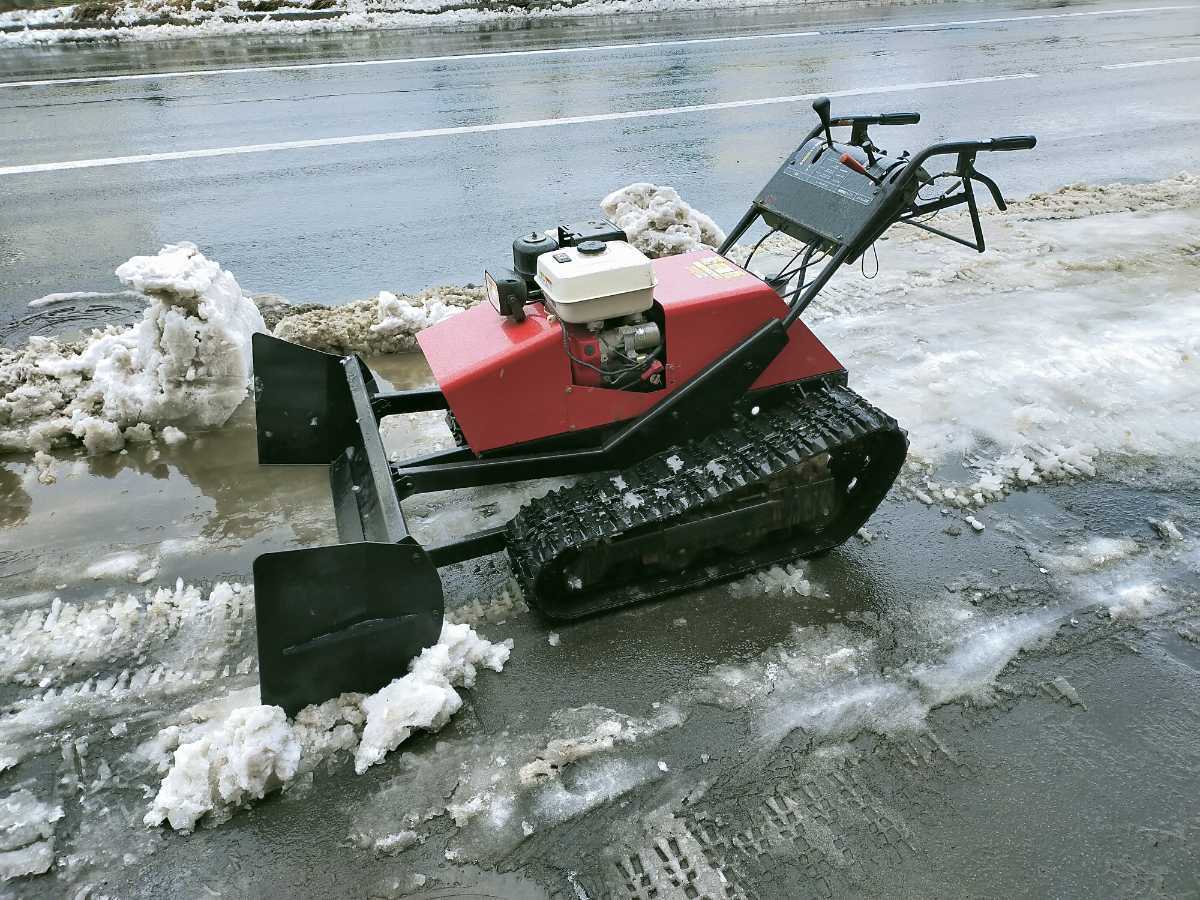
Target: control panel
<point>824,192</point>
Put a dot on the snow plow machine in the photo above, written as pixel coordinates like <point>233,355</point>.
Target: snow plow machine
<point>713,433</point>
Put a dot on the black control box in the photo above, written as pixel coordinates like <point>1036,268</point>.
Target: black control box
<point>817,197</point>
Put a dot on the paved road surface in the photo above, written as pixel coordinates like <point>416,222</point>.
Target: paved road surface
<point>340,221</point>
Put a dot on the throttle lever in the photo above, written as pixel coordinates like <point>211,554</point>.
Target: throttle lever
<point>850,162</point>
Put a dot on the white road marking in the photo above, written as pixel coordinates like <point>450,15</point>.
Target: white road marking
<point>1153,62</point>
<point>559,51</point>
<point>483,129</point>
<point>499,54</point>
<point>1071,15</point>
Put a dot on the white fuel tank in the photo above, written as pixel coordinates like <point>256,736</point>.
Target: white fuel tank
<point>596,280</point>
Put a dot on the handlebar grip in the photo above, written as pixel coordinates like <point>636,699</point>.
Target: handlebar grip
<point>1013,142</point>
<point>900,118</point>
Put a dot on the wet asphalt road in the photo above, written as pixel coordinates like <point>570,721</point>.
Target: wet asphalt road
<point>339,222</point>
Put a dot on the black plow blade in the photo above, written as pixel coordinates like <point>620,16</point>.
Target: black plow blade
<point>347,617</point>
<point>303,406</point>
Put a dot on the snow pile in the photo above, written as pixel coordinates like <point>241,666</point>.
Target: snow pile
<point>387,324</point>
<point>26,834</point>
<point>187,361</point>
<point>159,20</point>
<point>253,752</point>
<point>241,751</point>
<point>659,222</point>
<point>425,697</point>
<point>398,316</point>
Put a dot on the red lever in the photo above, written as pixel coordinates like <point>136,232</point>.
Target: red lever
<point>851,163</point>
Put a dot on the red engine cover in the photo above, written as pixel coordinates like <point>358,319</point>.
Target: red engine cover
<point>509,383</point>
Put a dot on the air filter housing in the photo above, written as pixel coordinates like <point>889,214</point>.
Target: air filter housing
<point>596,281</point>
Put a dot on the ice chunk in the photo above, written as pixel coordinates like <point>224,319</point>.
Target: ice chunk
<point>561,752</point>
<point>791,579</point>
<point>121,565</point>
<point>26,834</point>
<point>1167,530</point>
<point>658,221</point>
<point>173,435</point>
<point>397,842</point>
<point>1094,553</point>
<point>44,463</point>
<point>1138,600</point>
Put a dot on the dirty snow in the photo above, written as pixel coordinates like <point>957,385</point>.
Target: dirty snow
<point>658,221</point>
<point>479,784</point>
<point>92,662</point>
<point>1089,555</point>
<point>942,339</point>
<point>187,361</point>
<point>387,324</point>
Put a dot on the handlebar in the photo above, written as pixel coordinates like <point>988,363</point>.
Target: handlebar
<point>896,118</point>
<point>1013,142</point>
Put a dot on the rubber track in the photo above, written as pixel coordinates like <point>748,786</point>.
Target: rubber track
<point>802,424</point>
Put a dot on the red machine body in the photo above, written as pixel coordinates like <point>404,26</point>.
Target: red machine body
<point>510,383</point>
